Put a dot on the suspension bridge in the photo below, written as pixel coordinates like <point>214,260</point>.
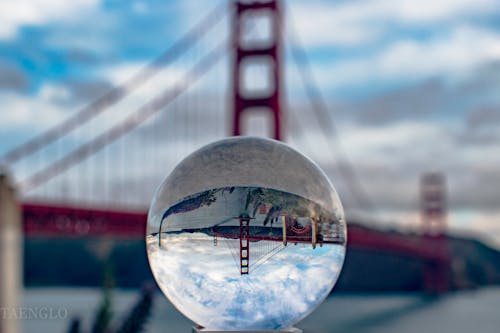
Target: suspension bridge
<point>93,174</point>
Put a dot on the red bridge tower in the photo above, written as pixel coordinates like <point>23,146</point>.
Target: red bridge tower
<point>433,211</point>
<point>265,52</point>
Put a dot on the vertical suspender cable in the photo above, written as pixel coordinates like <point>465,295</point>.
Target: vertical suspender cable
<point>327,125</point>
<point>116,94</point>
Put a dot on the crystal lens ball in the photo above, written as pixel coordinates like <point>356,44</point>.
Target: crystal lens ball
<point>246,234</point>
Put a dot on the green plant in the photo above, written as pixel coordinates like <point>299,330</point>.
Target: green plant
<point>135,320</point>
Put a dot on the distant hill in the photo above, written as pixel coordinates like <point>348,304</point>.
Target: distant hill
<point>78,262</point>
<point>474,264</point>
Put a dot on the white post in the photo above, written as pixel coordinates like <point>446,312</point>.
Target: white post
<point>313,232</point>
<point>10,256</point>
<point>283,221</point>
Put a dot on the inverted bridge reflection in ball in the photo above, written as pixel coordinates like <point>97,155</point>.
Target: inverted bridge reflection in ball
<point>246,233</point>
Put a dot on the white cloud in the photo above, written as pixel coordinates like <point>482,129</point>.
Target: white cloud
<point>35,112</point>
<point>382,144</point>
<point>14,15</point>
<point>452,56</point>
<point>52,92</point>
<point>327,25</point>
<point>357,22</point>
<point>464,49</point>
<point>436,10</point>
<point>397,136</point>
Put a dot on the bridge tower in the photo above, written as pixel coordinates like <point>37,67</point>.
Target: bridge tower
<point>433,213</point>
<point>257,52</point>
<point>267,54</point>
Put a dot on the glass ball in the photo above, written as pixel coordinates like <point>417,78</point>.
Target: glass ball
<point>246,234</point>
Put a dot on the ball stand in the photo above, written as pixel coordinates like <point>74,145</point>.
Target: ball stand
<point>287,330</point>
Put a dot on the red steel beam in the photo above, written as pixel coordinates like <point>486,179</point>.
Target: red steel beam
<point>290,238</point>
<point>62,221</point>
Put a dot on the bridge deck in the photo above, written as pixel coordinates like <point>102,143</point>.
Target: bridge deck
<point>60,221</point>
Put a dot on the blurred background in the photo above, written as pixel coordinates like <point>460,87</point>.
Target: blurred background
<point>397,100</point>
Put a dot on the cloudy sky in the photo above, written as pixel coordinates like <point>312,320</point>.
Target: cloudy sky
<point>413,86</point>
<point>203,281</point>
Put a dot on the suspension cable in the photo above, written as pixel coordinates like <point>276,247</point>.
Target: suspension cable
<point>118,93</point>
<point>327,123</point>
<point>131,122</point>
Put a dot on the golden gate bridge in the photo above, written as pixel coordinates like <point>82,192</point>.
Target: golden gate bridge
<point>70,196</point>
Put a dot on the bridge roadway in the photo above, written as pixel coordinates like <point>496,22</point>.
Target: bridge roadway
<point>42,220</point>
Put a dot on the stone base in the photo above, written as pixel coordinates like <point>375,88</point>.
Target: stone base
<point>288,330</point>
